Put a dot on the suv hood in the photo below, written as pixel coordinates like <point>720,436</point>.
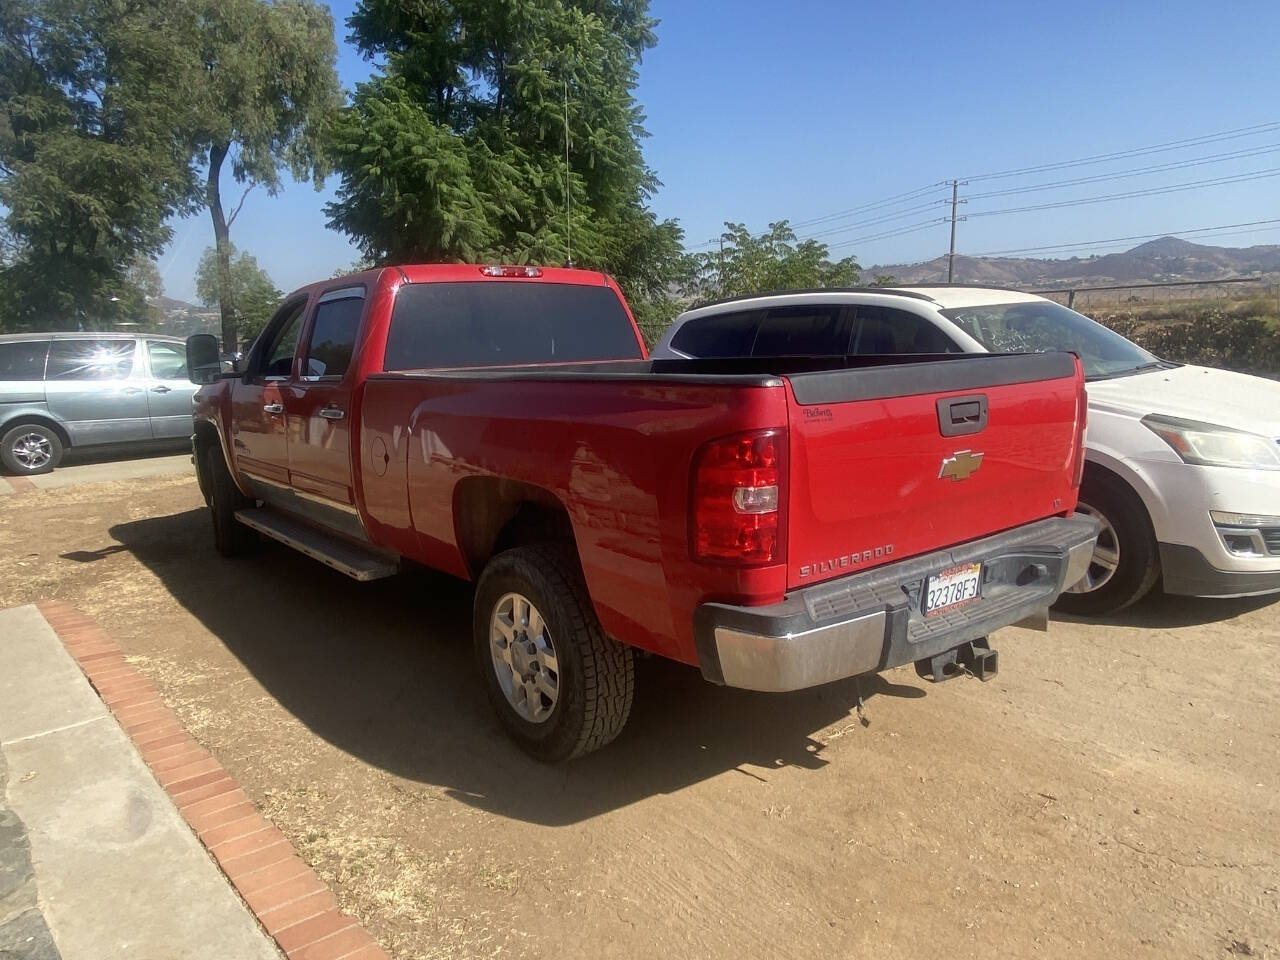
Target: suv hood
<point>1228,399</point>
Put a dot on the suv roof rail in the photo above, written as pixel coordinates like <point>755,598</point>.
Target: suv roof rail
<point>891,291</point>
<point>963,286</point>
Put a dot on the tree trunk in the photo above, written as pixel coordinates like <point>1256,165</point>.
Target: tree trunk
<point>222,245</point>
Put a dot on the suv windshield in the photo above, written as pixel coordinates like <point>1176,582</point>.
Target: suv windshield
<point>1042,325</point>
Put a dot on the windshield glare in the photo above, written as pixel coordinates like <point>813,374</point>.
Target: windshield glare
<point>1040,326</point>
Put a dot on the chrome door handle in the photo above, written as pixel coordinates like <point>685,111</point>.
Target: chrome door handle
<point>332,413</point>
<point>160,389</point>
<point>273,408</point>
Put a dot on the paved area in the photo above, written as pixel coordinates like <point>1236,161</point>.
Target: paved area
<point>92,850</point>
<point>100,471</point>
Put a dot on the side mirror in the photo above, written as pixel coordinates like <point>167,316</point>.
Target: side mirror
<point>204,359</point>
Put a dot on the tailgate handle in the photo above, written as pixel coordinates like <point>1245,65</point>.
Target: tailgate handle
<point>958,416</point>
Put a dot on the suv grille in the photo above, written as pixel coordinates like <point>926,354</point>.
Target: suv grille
<point>1271,536</point>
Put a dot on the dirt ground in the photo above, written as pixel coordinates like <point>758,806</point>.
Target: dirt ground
<point>1112,792</point>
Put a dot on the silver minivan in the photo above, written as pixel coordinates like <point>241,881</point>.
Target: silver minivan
<point>62,390</point>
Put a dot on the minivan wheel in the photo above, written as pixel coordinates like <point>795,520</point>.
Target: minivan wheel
<point>1126,561</point>
<point>30,448</point>
<point>559,685</point>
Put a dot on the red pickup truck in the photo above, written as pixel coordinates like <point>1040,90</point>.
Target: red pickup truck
<point>779,523</point>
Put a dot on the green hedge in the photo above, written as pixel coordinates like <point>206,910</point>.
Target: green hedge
<point>1250,344</point>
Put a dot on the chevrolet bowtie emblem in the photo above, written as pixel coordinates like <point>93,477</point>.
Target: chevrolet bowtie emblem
<point>960,465</point>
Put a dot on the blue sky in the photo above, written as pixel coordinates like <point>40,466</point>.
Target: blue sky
<point>761,111</point>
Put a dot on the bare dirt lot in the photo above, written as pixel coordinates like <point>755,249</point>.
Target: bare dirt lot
<point>1112,792</point>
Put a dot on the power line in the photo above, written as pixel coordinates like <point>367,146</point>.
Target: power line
<point>1154,191</point>
<point>859,224</point>
<point>851,211</point>
<point>900,231</point>
<point>888,201</point>
<point>1137,171</point>
<point>1267,225</point>
<point>1235,134</point>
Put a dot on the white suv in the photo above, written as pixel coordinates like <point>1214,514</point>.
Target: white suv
<point>1183,466</point>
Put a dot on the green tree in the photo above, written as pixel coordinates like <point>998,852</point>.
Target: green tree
<point>92,163</point>
<point>243,283</point>
<point>746,263</point>
<point>456,150</point>
<point>267,90</point>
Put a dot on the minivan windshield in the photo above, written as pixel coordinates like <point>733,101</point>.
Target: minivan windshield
<point>1041,325</point>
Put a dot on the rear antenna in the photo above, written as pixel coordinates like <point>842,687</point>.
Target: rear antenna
<point>568,226</point>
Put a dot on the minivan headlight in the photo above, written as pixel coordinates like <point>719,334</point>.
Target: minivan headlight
<point>1211,445</point>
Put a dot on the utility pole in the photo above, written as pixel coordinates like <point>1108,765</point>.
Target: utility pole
<point>951,257</point>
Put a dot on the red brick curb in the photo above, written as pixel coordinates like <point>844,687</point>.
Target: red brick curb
<point>20,484</point>
<point>294,906</point>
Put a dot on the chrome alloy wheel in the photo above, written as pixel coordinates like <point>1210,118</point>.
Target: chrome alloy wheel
<point>1106,554</point>
<point>32,450</point>
<point>524,657</point>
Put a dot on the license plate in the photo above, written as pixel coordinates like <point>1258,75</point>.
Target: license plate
<point>952,588</point>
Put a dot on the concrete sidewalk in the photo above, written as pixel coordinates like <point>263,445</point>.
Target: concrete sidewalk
<point>101,472</point>
<point>95,860</point>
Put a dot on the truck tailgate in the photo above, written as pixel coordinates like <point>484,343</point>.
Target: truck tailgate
<point>893,461</point>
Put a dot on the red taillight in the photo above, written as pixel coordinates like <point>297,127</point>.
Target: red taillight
<point>738,486</point>
<point>495,270</point>
<point>1082,420</point>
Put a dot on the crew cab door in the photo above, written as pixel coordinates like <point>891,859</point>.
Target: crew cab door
<point>259,441</point>
<point>318,403</point>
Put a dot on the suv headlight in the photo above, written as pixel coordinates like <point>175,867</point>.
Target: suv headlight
<point>1214,446</point>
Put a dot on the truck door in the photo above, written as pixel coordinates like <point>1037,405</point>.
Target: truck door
<point>318,404</point>
<point>258,439</point>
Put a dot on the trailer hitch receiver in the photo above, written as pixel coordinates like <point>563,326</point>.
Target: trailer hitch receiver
<point>976,658</point>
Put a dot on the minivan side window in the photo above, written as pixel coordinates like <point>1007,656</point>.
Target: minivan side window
<point>168,361</point>
<point>23,360</point>
<point>818,331</point>
<point>90,359</point>
<point>333,338</point>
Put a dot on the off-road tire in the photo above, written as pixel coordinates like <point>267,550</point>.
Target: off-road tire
<point>1139,566</point>
<point>597,674</point>
<point>231,538</point>
<point>15,466</point>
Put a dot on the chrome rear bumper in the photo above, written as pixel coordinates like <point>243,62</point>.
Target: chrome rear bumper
<point>871,621</point>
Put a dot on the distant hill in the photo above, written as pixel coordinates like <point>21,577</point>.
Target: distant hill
<point>1167,258</point>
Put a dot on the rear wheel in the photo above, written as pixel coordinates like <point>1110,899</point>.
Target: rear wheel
<point>1126,561</point>
<point>560,686</point>
<point>30,448</point>
<point>231,537</point>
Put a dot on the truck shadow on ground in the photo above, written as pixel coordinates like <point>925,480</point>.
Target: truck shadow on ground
<point>385,672</point>
<point>1160,611</point>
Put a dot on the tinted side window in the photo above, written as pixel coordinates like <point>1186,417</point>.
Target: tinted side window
<point>23,360</point>
<point>886,330</point>
<point>333,337</point>
<point>277,354</point>
<point>803,332</point>
<point>721,335</point>
<point>90,359</point>
<point>502,322</point>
